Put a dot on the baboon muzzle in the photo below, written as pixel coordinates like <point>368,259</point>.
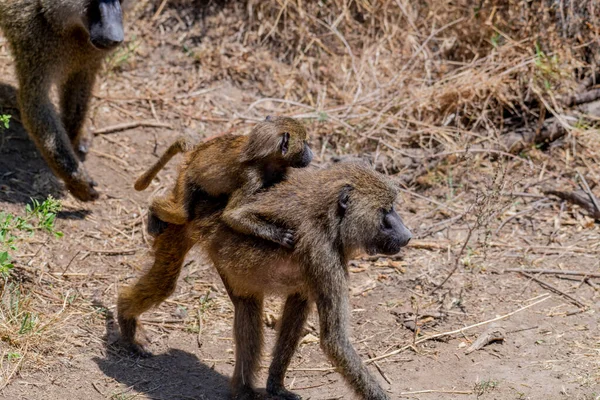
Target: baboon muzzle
<point>106,24</point>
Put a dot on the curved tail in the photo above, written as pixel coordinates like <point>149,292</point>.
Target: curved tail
<point>181,145</point>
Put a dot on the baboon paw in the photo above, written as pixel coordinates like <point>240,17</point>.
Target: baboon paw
<point>287,239</point>
<point>247,393</point>
<point>82,187</point>
<point>282,393</point>
<point>138,349</point>
<point>156,226</point>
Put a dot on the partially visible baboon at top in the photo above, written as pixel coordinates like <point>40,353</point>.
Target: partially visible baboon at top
<point>60,42</point>
<point>231,165</point>
<point>335,213</point>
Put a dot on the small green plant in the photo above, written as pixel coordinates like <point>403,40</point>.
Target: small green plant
<point>5,265</point>
<point>45,213</point>
<point>4,120</point>
<point>483,387</point>
<point>38,216</point>
<point>12,355</point>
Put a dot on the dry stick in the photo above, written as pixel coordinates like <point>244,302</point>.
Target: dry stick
<point>555,290</point>
<point>130,125</point>
<point>554,272</point>
<point>12,373</point>
<point>586,187</point>
<point>456,261</point>
<point>461,330</point>
<point>438,391</point>
<point>114,252</point>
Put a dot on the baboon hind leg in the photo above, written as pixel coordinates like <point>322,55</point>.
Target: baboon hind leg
<point>248,335</point>
<point>158,283</point>
<point>295,313</point>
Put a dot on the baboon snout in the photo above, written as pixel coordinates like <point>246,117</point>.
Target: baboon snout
<point>106,24</point>
<point>304,161</point>
<point>394,234</point>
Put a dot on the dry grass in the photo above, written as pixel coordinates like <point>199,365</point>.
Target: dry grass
<point>428,91</point>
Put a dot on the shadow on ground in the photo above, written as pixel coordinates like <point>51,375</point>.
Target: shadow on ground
<point>23,173</point>
<point>176,374</point>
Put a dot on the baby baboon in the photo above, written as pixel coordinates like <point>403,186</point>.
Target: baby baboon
<point>335,213</point>
<point>62,42</point>
<point>235,166</point>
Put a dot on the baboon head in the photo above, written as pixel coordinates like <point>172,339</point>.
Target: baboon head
<point>369,221</point>
<point>279,139</point>
<point>101,20</point>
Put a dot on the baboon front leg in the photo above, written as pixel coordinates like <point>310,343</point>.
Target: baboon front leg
<point>248,335</point>
<point>45,128</point>
<point>153,287</point>
<point>295,313</point>
<point>333,308</point>
<point>75,97</point>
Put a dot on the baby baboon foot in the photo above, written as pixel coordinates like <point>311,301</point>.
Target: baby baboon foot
<point>82,186</point>
<point>281,393</point>
<point>286,238</point>
<point>247,393</point>
<point>156,226</point>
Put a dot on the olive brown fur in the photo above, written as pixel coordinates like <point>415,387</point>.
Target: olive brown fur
<point>60,42</point>
<point>236,166</point>
<point>336,213</point>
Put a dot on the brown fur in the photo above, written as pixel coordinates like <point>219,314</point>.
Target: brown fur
<point>50,40</point>
<point>336,213</point>
<point>234,166</point>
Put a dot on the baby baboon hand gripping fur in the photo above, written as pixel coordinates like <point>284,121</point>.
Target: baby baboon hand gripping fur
<point>62,42</point>
<point>336,213</point>
<point>234,166</point>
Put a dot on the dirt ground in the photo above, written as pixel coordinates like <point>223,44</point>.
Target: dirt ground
<point>551,350</point>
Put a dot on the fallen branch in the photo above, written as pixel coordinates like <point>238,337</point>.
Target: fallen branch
<point>522,139</point>
<point>461,330</point>
<point>579,197</point>
<point>130,125</point>
<point>553,272</point>
<point>491,335</point>
<point>438,391</point>
<point>555,290</point>
<point>581,98</point>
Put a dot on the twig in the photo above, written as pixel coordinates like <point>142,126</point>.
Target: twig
<point>160,10</point>
<point>438,391</point>
<point>424,339</point>
<point>456,261</point>
<point>15,369</point>
<point>114,252</point>
<point>586,187</point>
<point>554,272</point>
<point>130,125</point>
<point>555,290</point>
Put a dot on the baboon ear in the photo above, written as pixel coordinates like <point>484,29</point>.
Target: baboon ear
<point>285,143</point>
<point>343,198</point>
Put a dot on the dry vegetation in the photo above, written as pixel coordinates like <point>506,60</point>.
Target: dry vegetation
<point>484,111</point>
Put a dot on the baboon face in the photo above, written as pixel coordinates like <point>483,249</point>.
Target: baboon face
<point>295,150</point>
<point>103,21</point>
<point>369,220</point>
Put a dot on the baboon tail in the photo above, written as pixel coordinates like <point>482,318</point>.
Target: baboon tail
<point>179,146</point>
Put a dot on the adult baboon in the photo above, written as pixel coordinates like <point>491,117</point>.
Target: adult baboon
<point>335,213</point>
<point>60,42</point>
